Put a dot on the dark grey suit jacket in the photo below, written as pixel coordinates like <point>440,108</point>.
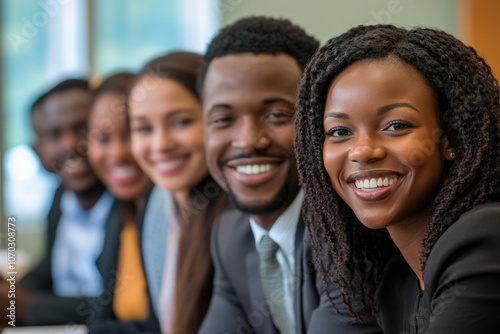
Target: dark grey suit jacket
<point>238,304</point>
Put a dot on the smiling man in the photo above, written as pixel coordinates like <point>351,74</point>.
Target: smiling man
<point>248,80</point>
<point>83,221</point>
<point>264,281</point>
<point>250,134</point>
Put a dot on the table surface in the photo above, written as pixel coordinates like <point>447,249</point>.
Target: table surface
<point>64,329</point>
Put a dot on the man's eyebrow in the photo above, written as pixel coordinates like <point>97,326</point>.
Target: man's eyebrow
<point>221,105</point>
<point>275,100</point>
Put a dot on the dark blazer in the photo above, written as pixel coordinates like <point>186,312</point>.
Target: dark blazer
<point>48,308</point>
<point>107,325</point>
<point>238,304</point>
<point>317,312</point>
<point>462,281</point>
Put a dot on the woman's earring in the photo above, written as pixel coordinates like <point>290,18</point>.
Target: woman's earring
<point>452,155</point>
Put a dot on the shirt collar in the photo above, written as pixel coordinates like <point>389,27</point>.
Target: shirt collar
<point>71,208</point>
<point>283,230</point>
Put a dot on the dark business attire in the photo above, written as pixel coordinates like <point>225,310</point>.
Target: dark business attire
<point>153,232</point>
<point>317,312</point>
<point>49,308</point>
<point>238,303</point>
<point>97,312</point>
<point>462,282</point>
<point>151,213</point>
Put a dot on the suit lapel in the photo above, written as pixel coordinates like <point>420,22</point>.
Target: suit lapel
<point>54,217</point>
<point>107,262</point>
<point>108,259</point>
<point>299,275</point>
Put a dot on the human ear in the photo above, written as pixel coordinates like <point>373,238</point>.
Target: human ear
<point>450,144</point>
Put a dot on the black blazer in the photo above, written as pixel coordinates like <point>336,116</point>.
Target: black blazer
<point>104,324</point>
<point>462,282</point>
<point>238,304</point>
<point>318,314</point>
<point>51,309</point>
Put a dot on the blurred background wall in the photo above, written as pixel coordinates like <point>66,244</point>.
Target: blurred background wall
<point>45,41</point>
<point>327,18</point>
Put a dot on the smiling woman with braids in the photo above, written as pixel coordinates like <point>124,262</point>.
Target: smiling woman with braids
<point>397,142</point>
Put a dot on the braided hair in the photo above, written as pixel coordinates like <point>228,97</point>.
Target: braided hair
<point>468,99</point>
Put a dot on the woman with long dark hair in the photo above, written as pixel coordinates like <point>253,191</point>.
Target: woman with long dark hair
<point>166,124</point>
<point>398,149</point>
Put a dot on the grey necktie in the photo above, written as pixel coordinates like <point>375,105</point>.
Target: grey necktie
<point>272,282</point>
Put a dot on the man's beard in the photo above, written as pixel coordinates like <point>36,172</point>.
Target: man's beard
<point>279,201</point>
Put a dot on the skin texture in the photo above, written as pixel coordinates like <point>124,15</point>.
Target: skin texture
<point>167,135</point>
<point>110,154</point>
<point>61,128</point>
<point>248,103</point>
<point>381,122</point>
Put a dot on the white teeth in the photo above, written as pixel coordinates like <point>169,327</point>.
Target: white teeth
<point>123,172</point>
<point>169,164</point>
<point>253,169</point>
<point>375,183</point>
<point>75,165</point>
<point>74,162</point>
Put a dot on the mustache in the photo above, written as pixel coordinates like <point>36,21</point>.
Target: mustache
<point>253,154</point>
<point>67,158</point>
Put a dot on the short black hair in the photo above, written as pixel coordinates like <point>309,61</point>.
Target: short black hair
<point>69,84</point>
<point>37,102</point>
<point>60,87</point>
<point>259,35</point>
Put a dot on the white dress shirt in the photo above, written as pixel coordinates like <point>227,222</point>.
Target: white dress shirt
<point>283,233</point>
<point>78,243</point>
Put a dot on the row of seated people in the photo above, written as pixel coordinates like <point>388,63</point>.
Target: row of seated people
<point>275,186</point>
